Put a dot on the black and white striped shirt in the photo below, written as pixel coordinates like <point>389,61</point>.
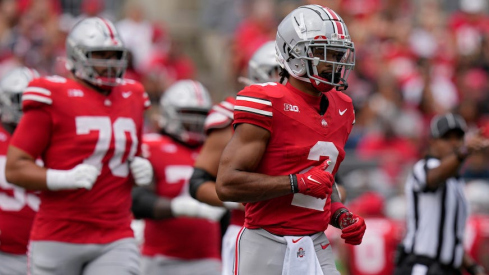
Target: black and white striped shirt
<point>435,218</point>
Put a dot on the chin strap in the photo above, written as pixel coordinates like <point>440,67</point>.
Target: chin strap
<point>344,86</point>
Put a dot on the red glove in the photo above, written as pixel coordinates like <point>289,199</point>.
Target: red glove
<point>352,228</point>
<point>316,182</point>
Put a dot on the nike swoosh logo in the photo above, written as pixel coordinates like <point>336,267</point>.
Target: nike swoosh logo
<point>126,95</point>
<point>324,246</point>
<point>311,179</point>
<point>342,112</point>
<point>295,241</point>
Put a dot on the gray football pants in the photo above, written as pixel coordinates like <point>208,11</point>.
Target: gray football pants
<point>121,257</point>
<point>262,253</point>
<point>11,264</point>
<point>160,265</point>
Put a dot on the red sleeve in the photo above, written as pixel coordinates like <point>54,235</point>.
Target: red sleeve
<point>253,106</point>
<point>37,95</point>
<point>33,133</point>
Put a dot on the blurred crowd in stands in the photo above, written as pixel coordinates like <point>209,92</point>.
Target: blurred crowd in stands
<point>414,59</point>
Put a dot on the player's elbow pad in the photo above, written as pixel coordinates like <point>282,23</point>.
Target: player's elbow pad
<point>199,177</point>
<point>143,203</point>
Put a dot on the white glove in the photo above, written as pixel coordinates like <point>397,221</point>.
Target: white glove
<point>82,176</point>
<point>142,171</point>
<point>189,207</point>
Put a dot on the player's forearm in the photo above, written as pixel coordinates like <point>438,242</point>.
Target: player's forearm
<point>207,193</point>
<point>242,186</point>
<point>25,173</point>
<point>22,170</point>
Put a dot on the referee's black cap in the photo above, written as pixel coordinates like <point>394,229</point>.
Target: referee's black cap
<point>442,124</point>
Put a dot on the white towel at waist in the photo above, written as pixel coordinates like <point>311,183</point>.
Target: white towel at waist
<point>300,257</point>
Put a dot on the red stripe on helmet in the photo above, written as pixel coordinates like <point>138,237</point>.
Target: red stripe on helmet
<point>111,32</point>
<point>199,93</point>
<point>332,13</point>
<point>339,26</point>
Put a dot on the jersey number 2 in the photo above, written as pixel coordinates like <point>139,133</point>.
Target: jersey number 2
<point>320,149</point>
<point>102,124</point>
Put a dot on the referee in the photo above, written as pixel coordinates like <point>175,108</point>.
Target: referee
<point>436,205</point>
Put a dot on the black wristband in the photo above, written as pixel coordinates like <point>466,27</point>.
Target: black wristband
<point>199,177</point>
<point>336,216</point>
<point>143,203</point>
<point>474,269</point>
<point>294,187</point>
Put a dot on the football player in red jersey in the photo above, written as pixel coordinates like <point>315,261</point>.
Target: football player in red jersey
<point>181,235</point>
<point>376,254</point>
<point>17,206</point>
<point>287,145</point>
<point>86,129</point>
<point>262,68</point>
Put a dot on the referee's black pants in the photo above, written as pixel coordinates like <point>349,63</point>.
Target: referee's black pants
<point>406,264</point>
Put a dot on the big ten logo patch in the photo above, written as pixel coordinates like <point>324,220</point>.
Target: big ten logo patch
<point>301,253</point>
<point>290,108</point>
<point>75,93</point>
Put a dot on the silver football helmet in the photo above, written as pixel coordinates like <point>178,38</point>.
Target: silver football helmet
<point>96,35</point>
<point>184,107</point>
<point>263,66</point>
<point>12,86</point>
<point>311,35</point>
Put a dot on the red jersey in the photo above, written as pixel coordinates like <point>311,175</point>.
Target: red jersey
<point>375,256</point>
<point>300,139</point>
<point>220,117</point>
<point>84,126</point>
<point>183,238</point>
<point>17,208</point>
<point>477,239</point>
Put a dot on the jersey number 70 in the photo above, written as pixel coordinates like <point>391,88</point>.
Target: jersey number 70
<point>102,124</point>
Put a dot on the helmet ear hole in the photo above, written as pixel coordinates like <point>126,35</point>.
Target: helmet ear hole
<point>287,51</point>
